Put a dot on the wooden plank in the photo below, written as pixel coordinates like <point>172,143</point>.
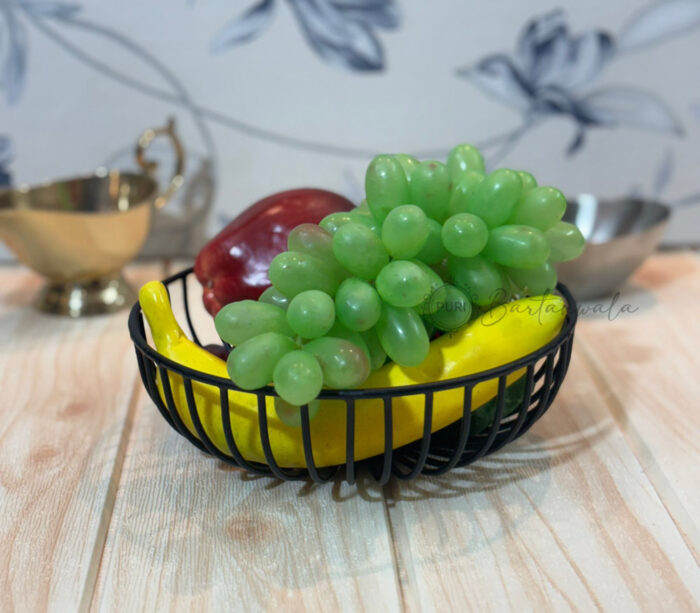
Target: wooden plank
<point>563,519</point>
<point>650,365</point>
<point>67,396</point>
<point>189,533</point>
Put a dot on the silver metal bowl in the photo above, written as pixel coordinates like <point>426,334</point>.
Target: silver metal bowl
<point>619,233</point>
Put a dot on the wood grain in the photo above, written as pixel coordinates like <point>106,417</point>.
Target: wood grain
<point>189,533</point>
<point>104,506</point>
<point>564,519</point>
<point>649,364</point>
<point>68,388</point>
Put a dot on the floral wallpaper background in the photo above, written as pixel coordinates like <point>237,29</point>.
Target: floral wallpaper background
<point>600,97</point>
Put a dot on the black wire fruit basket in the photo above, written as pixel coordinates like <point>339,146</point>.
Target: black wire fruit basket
<point>434,453</point>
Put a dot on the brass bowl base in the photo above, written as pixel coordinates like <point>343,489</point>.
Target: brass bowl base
<point>95,297</point>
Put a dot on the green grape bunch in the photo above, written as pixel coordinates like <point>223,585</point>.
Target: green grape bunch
<point>431,247</point>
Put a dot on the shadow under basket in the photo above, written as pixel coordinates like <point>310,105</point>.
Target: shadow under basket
<point>432,454</point>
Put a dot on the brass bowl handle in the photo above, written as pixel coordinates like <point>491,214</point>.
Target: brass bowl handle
<point>149,166</point>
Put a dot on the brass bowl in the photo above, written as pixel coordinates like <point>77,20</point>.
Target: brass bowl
<point>80,232</point>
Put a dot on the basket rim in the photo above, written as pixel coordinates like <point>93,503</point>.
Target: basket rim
<point>142,345</point>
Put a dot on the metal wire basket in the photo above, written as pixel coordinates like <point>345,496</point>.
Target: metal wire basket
<point>433,454</point>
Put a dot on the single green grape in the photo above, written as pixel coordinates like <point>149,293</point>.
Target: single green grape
<point>464,235</point>
<point>534,281</point>
<point>541,208</point>
<point>482,281</point>
<point>435,279</point>
<point>356,338</point>
<point>408,163</point>
<point>239,321</point>
<point>494,198</point>
<point>463,190</point>
<point>436,282</point>
<point>298,377</point>
<point>357,304</point>
<point>402,335</point>
<point>292,272</point>
<point>433,251</point>
<point>452,308</point>
<point>290,414</point>
<point>359,250</point>
<point>343,363</point>
<point>273,296</point>
<point>366,219</point>
<point>318,242</point>
<point>332,222</point>
<point>363,211</point>
<point>565,242</point>
<point>386,186</point>
<point>377,355</point>
<point>405,231</point>
<point>464,158</point>
<point>430,189</point>
<point>251,364</point>
<point>402,283</point>
<point>517,246</point>
<point>528,181</point>
<point>312,239</point>
<point>311,313</point>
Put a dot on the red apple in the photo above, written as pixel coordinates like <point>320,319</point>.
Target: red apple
<point>233,265</point>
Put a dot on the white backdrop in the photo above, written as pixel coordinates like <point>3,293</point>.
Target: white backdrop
<point>593,96</point>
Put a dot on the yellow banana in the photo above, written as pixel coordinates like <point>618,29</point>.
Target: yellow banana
<point>502,335</point>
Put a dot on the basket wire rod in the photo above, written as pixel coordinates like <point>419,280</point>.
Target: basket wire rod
<point>267,450</point>
<point>350,440</point>
<point>186,301</point>
<point>157,401</point>
<point>388,442</point>
<point>164,410</point>
<point>143,369</point>
<point>169,401</point>
<point>425,441</point>
<point>500,402</point>
<point>442,455</point>
<point>198,426</point>
<point>439,455</point>
<point>539,376</point>
<point>543,402</point>
<point>565,351</point>
<point>141,325</point>
<point>308,449</point>
<point>257,468</point>
<point>141,361</point>
<point>172,409</point>
<point>522,412</point>
<point>569,349</point>
<point>561,367</point>
<point>464,427</point>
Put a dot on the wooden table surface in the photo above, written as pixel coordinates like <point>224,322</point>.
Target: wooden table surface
<point>104,507</point>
